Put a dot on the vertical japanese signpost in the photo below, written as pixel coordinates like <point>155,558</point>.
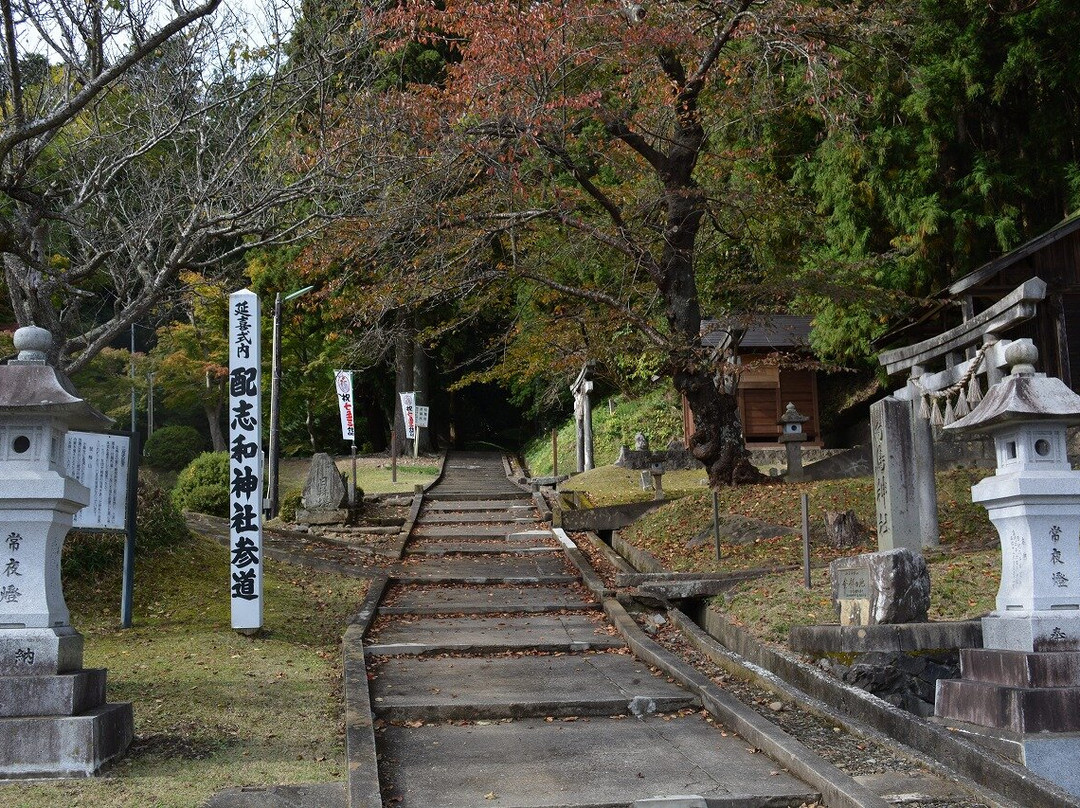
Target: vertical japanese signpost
<point>245,464</point>
<point>343,386</point>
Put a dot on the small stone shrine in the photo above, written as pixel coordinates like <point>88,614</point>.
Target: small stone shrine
<point>1023,687</point>
<point>54,721</point>
<point>325,495</point>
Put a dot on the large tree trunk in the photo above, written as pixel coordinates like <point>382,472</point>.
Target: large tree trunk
<point>217,433</point>
<point>422,385</point>
<point>404,340</point>
<point>717,441</point>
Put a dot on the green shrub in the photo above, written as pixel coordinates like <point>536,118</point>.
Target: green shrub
<point>158,524</point>
<point>171,448</point>
<point>203,486</point>
<point>288,505</point>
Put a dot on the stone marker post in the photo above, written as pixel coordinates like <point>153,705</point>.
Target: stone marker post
<point>899,514</point>
<point>1024,684</point>
<point>54,721</point>
<point>581,388</point>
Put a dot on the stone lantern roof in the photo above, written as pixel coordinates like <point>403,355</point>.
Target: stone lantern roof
<point>1024,395</point>
<point>29,386</point>
<point>792,416</point>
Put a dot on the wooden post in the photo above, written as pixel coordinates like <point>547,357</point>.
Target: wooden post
<point>716,521</point>
<point>806,539</point>
<point>554,453</point>
<point>393,455</point>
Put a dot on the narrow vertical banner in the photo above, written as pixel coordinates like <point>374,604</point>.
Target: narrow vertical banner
<point>245,464</point>
<point>408,412</point>
<point>343,386</point>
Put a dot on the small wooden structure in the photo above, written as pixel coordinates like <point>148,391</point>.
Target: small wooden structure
<point>772,351</point>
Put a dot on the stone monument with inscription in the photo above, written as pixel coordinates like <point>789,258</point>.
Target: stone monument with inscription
<point>1024,684</point>
<point>892,586</point>
<point>901,519</point>
<point>324,494</point>
<point>54,720</point>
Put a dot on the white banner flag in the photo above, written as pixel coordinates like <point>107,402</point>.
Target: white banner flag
<point>245,464</point>
<point>343,385</point>
<point>408,410</point>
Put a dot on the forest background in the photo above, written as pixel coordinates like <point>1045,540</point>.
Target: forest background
<point>485,195</point>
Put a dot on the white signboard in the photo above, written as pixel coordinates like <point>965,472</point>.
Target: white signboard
<point>343,385</point>
<point>100,462</point>
<point>422,416</point>
<point>245,464</point>
<point>408,407</point>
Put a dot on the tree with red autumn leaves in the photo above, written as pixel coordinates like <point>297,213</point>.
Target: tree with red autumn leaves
<point>598,125</point>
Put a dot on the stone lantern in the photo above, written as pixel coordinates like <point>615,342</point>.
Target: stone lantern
<point>792,435</point>
<point>1034,502</point>
<point>53,716</point>
<point>1024,684</point>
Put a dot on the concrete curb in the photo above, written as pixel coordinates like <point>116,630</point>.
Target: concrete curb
<point>360,755</point>
<point>641,560</point>
<point>964,757</point>
<point>837,789</point>
<point>588,574</point>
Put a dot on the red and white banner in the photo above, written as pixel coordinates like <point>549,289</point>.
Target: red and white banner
<point>343,386</point>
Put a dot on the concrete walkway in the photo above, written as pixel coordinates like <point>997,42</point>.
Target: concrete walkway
<point>490,668</point>
<point>504,684</point>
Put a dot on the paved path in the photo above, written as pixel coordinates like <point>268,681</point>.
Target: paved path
<point>497,680</point>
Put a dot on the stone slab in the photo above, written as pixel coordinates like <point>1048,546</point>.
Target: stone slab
<point>62,694</point>
<point>329,517</point>
<point>316,795</point>
<point>491,634</point>
<point>442,548</point>
<point>69,746</point>
<point>611,517</point>
<point>490,600</point>
<point>1021,710</point>
<point>532,568</point>
<point>588,762</point>
<point>470,688</point>
<point>1021,668</point>
<point>40,651</point>
<point>1032,631</point>
<point>482,531</point>
<point>493,505</point>
<point>895,637</point>
<point>473,517</point>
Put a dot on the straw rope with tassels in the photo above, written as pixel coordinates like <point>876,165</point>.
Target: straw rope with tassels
<point>968,393</point>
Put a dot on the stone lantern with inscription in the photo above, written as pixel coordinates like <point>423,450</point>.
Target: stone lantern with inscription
<point>1024,684</point>
<point>54,721</point>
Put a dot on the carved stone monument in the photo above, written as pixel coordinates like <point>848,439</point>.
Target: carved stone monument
<point>54,721</point>
<point>895,470</point>
<point>324,494</point>
<point>1024,684</point>
<point>886,587</point>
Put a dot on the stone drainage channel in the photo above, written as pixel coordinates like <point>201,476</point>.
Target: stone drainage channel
<point>489,669</point>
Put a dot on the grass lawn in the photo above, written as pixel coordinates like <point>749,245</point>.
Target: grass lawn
<point>964,570</point>
<point>213,708</point>
<point>374,473</point>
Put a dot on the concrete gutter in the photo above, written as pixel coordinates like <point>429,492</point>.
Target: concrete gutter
<point>857,709</point>
<point>837,789</point>
<point>363,769</point>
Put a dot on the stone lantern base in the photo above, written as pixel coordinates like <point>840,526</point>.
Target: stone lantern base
<point>1026,704</point>
<point>54,720</point>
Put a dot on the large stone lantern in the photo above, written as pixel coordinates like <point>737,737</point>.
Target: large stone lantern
<point>1034,502</point>
<point>1022,689</point>
<point>53,716</point>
